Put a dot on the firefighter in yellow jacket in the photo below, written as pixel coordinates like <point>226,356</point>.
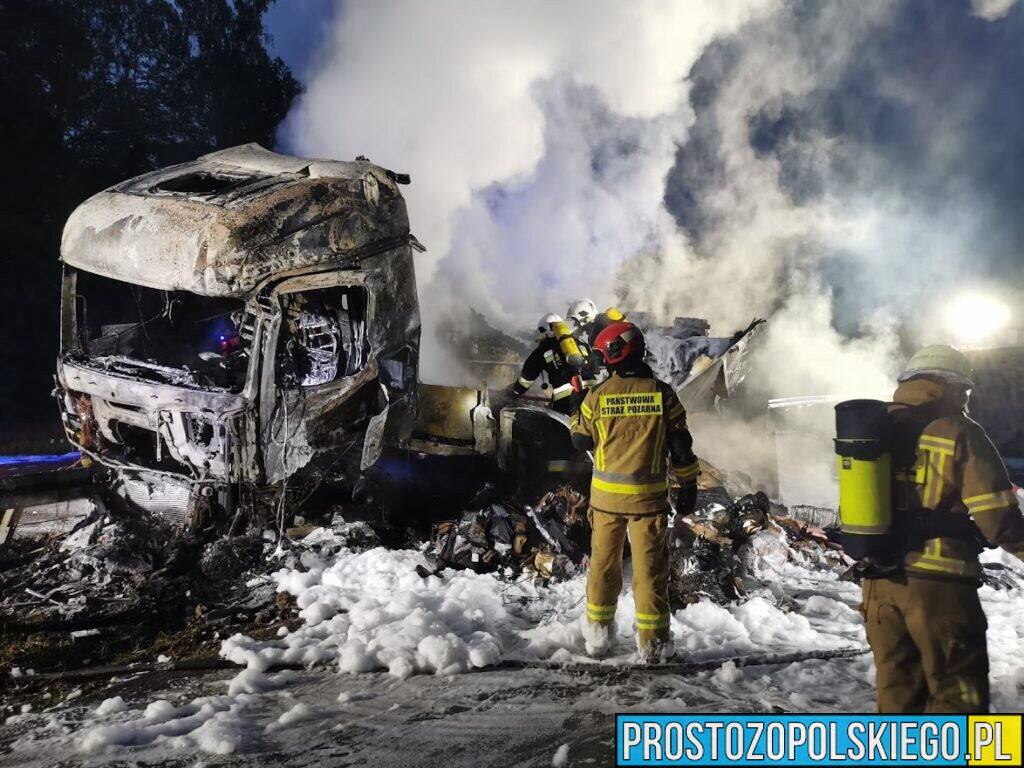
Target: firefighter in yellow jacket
<point>633,423</point>
<point>951,498</point>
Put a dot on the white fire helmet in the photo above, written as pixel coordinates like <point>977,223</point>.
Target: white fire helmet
<point>582,312</point>
<point>544,324</point>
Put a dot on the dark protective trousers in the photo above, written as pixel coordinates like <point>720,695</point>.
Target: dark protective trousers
<point>928,639</point>
<point>648,540</point>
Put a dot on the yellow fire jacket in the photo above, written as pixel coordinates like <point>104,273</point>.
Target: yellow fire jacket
<point>957,472</point>
<point>631,420</point>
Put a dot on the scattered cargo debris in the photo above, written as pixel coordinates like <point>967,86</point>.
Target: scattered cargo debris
<point>548,540</point>
<point>725,542</point>
<point>125,589</point>
<point>704,370</point>
<point>712,550</point>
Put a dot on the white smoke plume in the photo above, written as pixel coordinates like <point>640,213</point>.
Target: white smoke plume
<point>764,256</point>
<point>538,136</point>
<point>992,10</point>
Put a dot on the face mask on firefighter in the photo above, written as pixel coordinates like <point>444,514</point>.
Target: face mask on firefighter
<point>615,348</point>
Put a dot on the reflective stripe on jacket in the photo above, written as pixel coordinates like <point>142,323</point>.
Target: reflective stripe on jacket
<point>957,472</point>
<point>628,418</point>
<point>546,358</point>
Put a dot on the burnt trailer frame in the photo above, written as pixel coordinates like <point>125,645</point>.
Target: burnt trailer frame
<point>256,226</point>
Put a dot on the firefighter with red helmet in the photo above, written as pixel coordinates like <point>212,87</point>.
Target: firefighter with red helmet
<point>636,428</point>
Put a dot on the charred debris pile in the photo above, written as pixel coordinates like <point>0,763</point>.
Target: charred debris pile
<point>125,588</point>
<point>120,590</point>
<point>713,551</point>
<point>125,585</point>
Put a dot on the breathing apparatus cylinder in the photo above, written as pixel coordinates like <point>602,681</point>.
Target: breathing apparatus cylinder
<point>567,343</point>
<point>865,478</point>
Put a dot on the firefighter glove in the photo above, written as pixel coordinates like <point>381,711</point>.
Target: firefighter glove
<point>686,499</point>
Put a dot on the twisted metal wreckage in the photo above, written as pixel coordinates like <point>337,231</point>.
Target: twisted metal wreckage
<point>242,330</point>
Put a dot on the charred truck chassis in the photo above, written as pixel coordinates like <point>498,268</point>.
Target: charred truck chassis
<point>281,347</point>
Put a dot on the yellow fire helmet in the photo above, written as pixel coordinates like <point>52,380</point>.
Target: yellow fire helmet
<point>940,360</point>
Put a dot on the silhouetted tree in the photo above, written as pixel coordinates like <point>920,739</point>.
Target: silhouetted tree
<point>92,93</point>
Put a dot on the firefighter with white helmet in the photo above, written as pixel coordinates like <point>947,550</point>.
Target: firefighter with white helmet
<point>554,357</point>
<point>636,428</point>
<point>588,322</point>
<point>582,314</point>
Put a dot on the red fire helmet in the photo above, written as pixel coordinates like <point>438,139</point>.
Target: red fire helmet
<point>620,341</point>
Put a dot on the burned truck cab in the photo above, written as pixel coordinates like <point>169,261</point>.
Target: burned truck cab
<point>236,328</point>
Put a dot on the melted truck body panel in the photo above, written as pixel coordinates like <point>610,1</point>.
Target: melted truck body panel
<point>235,324</point>
<point>220,225</point>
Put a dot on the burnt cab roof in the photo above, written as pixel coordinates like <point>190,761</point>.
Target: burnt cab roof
<point>218,225</point>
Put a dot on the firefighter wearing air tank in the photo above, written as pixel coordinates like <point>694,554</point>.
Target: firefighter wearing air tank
<point>559,357</point>
<point>587,322</point>
<point>580,317</point>
<point>922,492</point>
<point>635,425</point>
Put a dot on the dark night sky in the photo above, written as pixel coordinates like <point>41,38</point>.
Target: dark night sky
<point>297,28</point>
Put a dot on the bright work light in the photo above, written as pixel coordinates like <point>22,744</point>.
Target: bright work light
<point>975,318</point>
